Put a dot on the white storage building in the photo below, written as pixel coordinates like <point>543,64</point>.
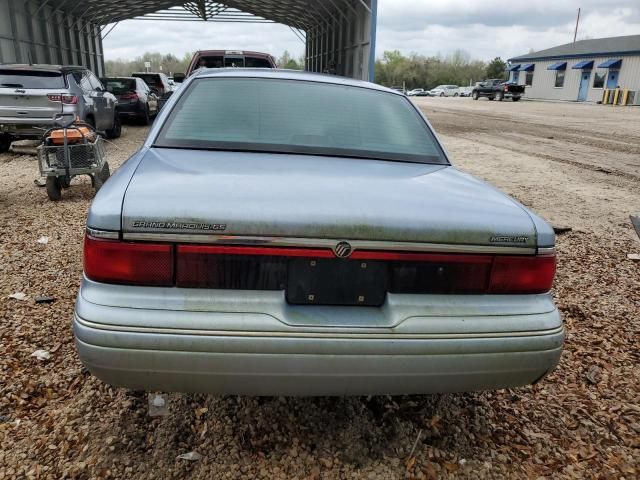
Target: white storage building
<point>580,71</point>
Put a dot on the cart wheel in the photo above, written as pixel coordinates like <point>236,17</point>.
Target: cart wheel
<point>65,182</point>
<point>101,177</point>
<point>54,189</point>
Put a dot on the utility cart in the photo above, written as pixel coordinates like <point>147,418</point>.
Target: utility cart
<point>70,149</point>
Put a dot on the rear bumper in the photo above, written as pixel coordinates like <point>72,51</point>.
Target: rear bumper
<point>225,353</point>
<point>32,129</point>
<point>32,126</point>
<point>130,109</point>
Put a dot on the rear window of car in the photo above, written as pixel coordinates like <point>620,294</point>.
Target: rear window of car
<point>119,85</point>
<point>152,79</point>
<point>290,116</point>
<point>255,62</point>
<point>233,61</point>
<point>31,79</point>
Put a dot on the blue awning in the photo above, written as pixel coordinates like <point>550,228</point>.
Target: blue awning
<point>615,63</point>
<point>584,65</point>
<point>513,68</point>
<point>558,66</point>
<point>527,67</point>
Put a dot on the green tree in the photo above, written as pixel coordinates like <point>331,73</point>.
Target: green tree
<point>287,61</point>
<point>497,68</point>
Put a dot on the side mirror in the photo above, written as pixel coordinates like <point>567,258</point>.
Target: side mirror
<point>179,77</point>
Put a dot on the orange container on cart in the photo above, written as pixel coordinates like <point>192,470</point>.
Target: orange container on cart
<point>76,133</point>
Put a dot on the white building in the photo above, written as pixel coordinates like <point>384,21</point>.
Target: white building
<point>580,71</point>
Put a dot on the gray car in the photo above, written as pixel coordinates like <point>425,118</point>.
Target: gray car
<point>286,233</point>
<point>30,96</point>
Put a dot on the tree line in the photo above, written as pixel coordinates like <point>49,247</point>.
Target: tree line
<point>418,71</point>
<point>392,69</point>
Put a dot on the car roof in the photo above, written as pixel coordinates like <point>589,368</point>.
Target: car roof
<point>43,67</point>
<point>114,77</point>
<point>283,74</point>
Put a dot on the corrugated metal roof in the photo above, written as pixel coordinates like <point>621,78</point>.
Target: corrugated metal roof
<point>598,46</point>
<point>301,14</point>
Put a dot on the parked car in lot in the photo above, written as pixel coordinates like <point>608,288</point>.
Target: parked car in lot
<point>444,91</point>
<point>31,95</point>
<point>158,83</point>
<point>317,241</point>
<point>497,89</point>
<point>135,98</point>
<point>465,91</point>
<point>418,92</point>
<point>227,59</point>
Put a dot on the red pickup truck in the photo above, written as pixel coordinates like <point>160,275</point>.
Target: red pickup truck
<point>227,59</point>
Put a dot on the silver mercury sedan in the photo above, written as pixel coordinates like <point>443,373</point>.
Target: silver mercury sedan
<point>286,233</point>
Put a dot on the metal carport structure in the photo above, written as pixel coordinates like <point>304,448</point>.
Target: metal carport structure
<point>339,34</point>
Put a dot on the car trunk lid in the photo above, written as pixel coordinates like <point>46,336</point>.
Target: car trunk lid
<point>193,193</point>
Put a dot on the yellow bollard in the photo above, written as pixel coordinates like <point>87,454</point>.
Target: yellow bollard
<point>616,95</point>
<point>625,96</point>
<point>605,96</point>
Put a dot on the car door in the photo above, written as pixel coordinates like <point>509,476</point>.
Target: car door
<point>104,102</point>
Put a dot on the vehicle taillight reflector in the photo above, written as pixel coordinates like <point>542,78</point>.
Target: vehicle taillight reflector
<point>66,99</point>
<point>522,274</point>
<point>112,261</point>
<point>265,268</point>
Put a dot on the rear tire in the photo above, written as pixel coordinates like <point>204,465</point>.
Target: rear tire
<point>54,189</point>
<point>492,98</point>
<point>455,94</point>
<point>475,95</point>
<point>515,99</point>
<point>5,142</point>
<point>116,130</point>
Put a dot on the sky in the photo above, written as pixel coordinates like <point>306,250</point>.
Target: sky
<point>483,28</point>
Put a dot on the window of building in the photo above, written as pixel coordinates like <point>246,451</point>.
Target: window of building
<point>528,80</point>
<point>560,78</point>
<point>598,79</point>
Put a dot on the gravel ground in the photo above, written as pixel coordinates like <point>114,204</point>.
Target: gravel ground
<point>576,165</point>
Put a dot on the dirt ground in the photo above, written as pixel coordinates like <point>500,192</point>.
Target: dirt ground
<point>576,165</point>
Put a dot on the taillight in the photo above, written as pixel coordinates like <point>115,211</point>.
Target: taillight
<point>66,99</point>
<point>112,261</point>
<point>129,96</point>
<point>267,268</point>
<point>506,88</point>
<point>522,274</point>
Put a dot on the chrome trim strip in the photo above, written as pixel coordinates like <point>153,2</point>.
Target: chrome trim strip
<point>546,251</point>
<point>326,243</point>
<point>370,334</point>
<point>104,234</point>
